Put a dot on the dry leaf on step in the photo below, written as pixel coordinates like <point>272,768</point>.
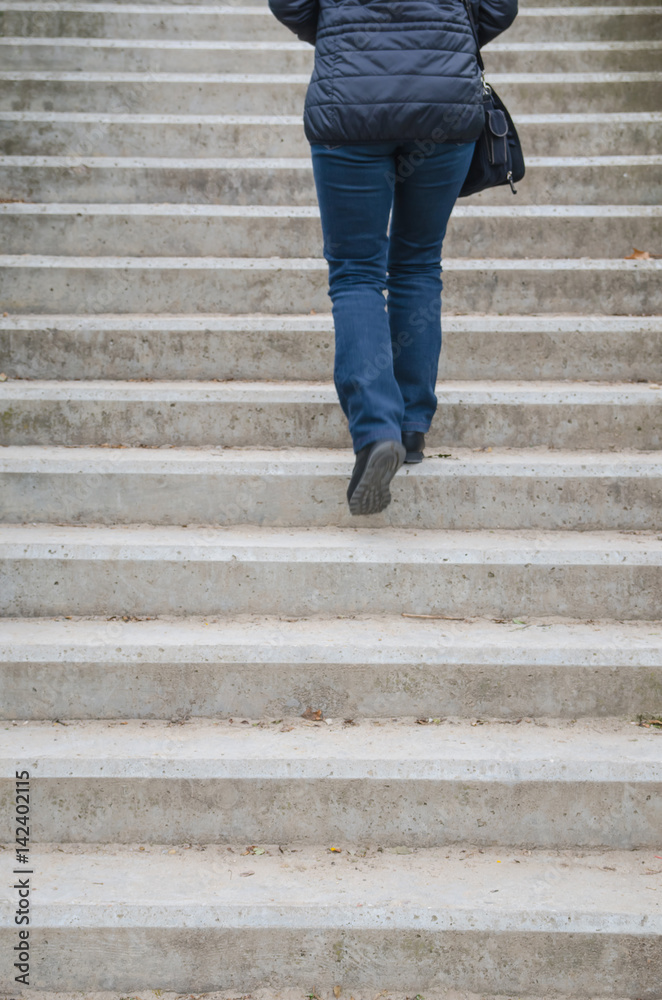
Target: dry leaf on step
<point>639,255</point>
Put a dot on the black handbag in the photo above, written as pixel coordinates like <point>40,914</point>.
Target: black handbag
<point>498,157</point>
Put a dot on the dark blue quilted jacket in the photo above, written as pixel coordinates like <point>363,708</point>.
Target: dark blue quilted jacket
<point>393,70</point>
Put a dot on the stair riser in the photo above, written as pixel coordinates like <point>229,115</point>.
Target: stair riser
<point>591,184</point>
<point>235,423</point>
<point>94,58</point>
<point>148,690</point>
<point>59,351</point>
<point>174,96</point>
<point>602,964</point>
<point>239,289</point>
<point>46,137</point>
<point>227,236</point>
<point>541,814</point>
<point>552,26</point>
<point>184,585</point>
<point>457,501</point>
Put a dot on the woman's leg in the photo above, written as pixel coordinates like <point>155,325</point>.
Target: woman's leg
<point>428,181</point>
<point>355,194</point>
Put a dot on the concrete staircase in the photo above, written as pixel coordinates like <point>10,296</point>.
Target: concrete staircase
<point>271,746</point>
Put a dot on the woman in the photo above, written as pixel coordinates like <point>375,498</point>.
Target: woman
<point>392,113</point>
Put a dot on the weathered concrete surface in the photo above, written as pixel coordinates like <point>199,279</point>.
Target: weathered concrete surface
<point>53,570</point>
<point>188,921</point>
<point>577,785</point>
<point>469,414</point>
<point>264,668</point>
<point>41,133</point>
<point>611,179</point>
<point>284,285</point>
<point>283,93</point>
<point>606,348</point>
<point>230,22</point>
<point>285,56</point>
<point>304,488</point>
<point>475,231</point>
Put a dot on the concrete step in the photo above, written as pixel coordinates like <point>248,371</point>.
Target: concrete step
<point>54,570</point>
<point>582,784</point>
<point>475,231</point>
<point>261,668</point>
<point>462,490</point>
<point>130,919</point>
<point>280,93</point>
<point>568,415</point>
<point>568,180</point>
<point>84,133</point>
<point>94,19</point>
<point>286,348</point>
<point>284,285</point>
<point>183,56</point>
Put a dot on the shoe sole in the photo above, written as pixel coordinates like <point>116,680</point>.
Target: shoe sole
<point>372,493</point>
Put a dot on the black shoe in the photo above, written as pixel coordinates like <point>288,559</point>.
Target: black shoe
<point>376,464</point>
<point>414,442</point>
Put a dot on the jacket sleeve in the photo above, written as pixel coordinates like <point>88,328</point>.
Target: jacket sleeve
<point>300,16</point>
<point>492,17</point>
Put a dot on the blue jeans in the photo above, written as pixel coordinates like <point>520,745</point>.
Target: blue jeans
<point>387,350</point>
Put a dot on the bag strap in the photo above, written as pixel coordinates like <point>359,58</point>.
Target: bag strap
<point>467,6</point>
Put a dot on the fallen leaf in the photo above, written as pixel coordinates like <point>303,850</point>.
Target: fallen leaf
<point>639,255</point>
<point>336,850</point>
<point>314,714</point>
<point>655,722</point>
<point>336,991</point>
<point>245,874</point>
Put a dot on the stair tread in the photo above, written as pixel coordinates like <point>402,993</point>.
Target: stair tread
<point>128,117</point>
<point>397,545</point>
<point>604,750</point>
<point>324,461</point>
<point>563,892</point>
<point>251,45</point>
<point>289,162</point>
<point>510,392</point>
<point>379,639</point>
<point>312,211</point>
<point>501,323</point>
<point>138,76</point>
